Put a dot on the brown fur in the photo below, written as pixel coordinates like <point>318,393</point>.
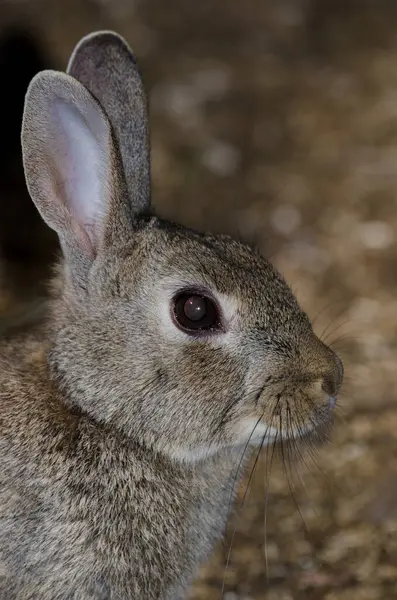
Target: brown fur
<point>121,435</point>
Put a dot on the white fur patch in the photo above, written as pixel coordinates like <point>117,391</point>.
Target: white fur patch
<point>258,431</point>
<point>186,455</point>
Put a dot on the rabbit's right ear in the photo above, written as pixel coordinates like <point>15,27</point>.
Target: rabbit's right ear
<point>72,168</point>
<point>104,63</point>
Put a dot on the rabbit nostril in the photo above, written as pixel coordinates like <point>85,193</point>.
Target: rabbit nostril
<point>333,380</point>
<point>329,385</point>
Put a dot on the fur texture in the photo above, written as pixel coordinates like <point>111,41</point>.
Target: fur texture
<point>121,433</point>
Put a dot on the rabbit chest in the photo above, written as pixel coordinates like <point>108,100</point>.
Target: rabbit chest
<point>85,517</point>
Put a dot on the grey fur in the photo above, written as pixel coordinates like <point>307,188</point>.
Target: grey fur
<point>105,64</point>
<point>119,434</point>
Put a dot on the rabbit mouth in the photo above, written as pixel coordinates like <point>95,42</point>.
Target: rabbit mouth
<point>290,414</point>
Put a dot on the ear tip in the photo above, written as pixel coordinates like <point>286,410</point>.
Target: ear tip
<point>49,81</point>
<point>39,83</point>
<point>47,90</point>
<point>107,36</point>
<point>102,39</point>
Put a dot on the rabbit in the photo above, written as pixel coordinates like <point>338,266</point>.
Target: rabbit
<point>165,353</point>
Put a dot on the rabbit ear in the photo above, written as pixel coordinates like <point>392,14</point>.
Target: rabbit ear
<point>71,166</point>
<point>106,66</point>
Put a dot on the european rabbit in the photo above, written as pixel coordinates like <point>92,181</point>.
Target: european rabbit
<point>166,351</point>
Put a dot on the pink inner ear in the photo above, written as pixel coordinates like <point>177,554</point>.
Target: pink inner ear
<point>84,240</point>
<point>80,157</point>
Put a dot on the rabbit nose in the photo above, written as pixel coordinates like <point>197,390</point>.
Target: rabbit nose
<point>332,402</point>
<point>332,380</point>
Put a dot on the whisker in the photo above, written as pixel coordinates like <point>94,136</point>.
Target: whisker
<point>232,490</point>
<point>325,308</point>
<point>267,480</point>
<point>313,454</point>
<point>345,337</point>
<point>246,491</point>
<point>334,320</point>
<point>307,442</point>
<point>268,469</point>
<point>241,462</point>
<point>292,444</point>
<point>290,484</point>
<point>253,468</point>
<point>324,337</point>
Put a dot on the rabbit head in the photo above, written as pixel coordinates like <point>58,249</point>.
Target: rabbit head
<point>185,342</point>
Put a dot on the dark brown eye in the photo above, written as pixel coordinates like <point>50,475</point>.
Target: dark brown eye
<point>195,312</point>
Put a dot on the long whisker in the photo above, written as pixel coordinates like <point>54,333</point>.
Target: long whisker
<point>241,462</point>
<point>344,337</point>
<point>267,502</point>
<point>322,310</point>
<point>253,468</point>
<point>338,316</point>
<point>293,445</point>
<point>290,484</point>
<point>231,495</point>
<point>268,469</point>
<point>245,494</point>
<point>307,442</point>
<point>324,337</point>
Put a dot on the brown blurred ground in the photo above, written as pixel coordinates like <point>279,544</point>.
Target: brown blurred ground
<point>277,120</point>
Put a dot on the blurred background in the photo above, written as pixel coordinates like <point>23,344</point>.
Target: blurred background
<point>275,120</point>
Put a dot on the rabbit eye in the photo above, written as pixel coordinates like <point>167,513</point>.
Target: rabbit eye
<point>195,312</point>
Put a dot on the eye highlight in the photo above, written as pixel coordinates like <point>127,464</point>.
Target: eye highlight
<point>194,312</point>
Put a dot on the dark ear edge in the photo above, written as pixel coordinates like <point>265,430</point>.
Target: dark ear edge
<point>105,64</point>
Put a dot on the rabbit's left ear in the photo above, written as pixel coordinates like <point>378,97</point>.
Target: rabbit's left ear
<point>106,66</point>
<point>72,168</point>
